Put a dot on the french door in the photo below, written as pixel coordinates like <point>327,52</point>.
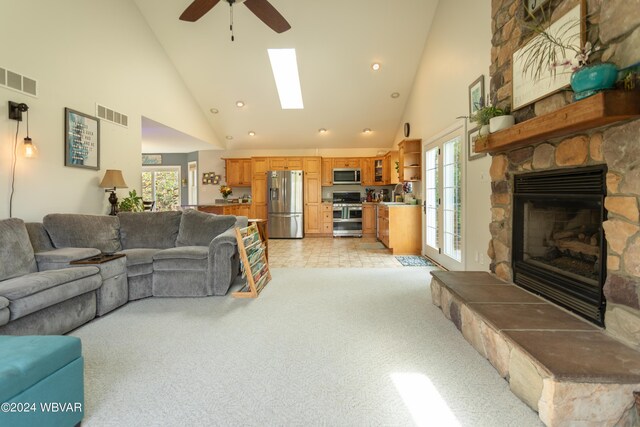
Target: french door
<point>443,168</point>
<point>162,185</point>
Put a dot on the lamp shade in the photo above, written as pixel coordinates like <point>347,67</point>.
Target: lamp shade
<point>113,179</point>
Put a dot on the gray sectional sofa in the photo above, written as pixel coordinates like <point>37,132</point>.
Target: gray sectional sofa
<point>169,254</point>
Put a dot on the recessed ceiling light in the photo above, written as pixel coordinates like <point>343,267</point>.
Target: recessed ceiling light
<point>375,66</point>
<point>252,133</point>
<point>284,65</point>
<point>366,130</point>
<point>239,104</point>
<point>229,137</point>
<point>322,130</point>
<point>395,95</point>
<point>214,111</point>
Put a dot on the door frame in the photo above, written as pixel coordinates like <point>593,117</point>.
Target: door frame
<point>458,128</point>
<point>192,183</point>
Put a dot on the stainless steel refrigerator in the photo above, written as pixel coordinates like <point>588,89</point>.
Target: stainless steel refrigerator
<point>285,204</point>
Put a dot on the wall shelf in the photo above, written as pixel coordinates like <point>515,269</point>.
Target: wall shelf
<point>598,110</point>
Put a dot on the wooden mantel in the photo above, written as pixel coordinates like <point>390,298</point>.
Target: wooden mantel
<point>598,110</point>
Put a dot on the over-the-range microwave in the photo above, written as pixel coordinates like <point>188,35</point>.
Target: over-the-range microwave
<point>346,176</point>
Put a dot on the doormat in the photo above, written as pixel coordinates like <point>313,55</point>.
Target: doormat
<point>415,261</point>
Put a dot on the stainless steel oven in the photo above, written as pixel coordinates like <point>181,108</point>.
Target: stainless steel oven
<point>347,214</point>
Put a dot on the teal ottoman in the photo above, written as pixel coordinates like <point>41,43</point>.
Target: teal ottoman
<point>41,381</point>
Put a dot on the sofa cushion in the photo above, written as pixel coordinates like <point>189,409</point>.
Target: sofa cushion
<point>39,237</point>
<point>139,261</point>
<point>3,302</point>
<point>24,361</point>
<point>182,258</point>
<point>16,253</point>
<point>83,231</point>
<point>36,291</point>
<point>199,228</point>
<point>157,230</point>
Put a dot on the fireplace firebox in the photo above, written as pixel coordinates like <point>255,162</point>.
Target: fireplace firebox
<point>559,251</point>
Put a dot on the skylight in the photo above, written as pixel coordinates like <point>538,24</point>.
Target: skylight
<point>285,71</point>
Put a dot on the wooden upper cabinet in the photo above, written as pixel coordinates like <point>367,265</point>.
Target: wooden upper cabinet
<point>312,189</point>
<point>259,165</point>
<point>277,163</point>
<point>238,172</point>
<point>285,163</point>
<point>366,166</point>
<point>327,172</point>
<point>390,160</point>
<point>346,162</point>
<point>410,159</point>
<point>312,165</point>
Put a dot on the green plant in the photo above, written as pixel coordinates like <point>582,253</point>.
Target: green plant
<point>133,203</point>
<point>484,114</point>
<point>554,47</point>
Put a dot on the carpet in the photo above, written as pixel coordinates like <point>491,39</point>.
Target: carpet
<point>415,261</point>
<point>332,347</point>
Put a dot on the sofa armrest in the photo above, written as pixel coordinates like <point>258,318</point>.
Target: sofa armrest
<point>60,258</point>
<point>224,261</point>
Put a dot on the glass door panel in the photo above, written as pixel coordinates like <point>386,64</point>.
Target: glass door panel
<point>443,169</point>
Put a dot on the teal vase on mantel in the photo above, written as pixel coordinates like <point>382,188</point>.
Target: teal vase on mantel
<point>592,79</point>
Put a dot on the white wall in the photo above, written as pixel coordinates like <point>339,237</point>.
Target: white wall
<point>456,52</point>
<point>83,52</point>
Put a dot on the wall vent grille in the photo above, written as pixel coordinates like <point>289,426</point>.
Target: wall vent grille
<point>14,81</point>
<point>112,116</point>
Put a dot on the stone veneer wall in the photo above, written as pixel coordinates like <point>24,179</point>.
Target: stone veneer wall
<point>616,25</point>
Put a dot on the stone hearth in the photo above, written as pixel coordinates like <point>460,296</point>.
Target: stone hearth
<point>563,367</point>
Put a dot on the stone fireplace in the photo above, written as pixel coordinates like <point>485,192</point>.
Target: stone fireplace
<point>613,262</point>
<point>558,243</point>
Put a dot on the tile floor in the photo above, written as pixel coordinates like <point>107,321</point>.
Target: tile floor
<point>317,252</point>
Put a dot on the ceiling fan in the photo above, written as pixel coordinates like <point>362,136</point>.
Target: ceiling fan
<point>261,8</point>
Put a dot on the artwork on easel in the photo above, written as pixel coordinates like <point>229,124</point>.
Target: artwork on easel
<point>253,261</point>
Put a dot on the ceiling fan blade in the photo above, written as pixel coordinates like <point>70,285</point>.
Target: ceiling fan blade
<point>197,9</point>
<point>268,14</point>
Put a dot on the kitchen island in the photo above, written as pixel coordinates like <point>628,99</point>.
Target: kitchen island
<point>399,227</point>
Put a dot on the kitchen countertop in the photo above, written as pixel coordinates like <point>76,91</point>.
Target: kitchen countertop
<point>216,205</point>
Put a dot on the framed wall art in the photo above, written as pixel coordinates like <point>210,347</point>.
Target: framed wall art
<point>81,140</point>
<point>476,95</point>
<point>528,88</point>
<point>472,136</point>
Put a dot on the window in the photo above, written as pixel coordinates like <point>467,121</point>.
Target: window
<point>162,185</point>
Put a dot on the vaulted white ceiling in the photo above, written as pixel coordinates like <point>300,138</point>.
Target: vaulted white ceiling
<point>336,43</point>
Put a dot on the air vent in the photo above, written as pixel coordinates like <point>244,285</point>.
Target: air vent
<point>112,116</point>
<point>14,81</point>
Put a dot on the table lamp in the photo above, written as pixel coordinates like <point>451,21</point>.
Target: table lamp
<point>112,180</point>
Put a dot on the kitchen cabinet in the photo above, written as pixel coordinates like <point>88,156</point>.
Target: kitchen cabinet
<point>400,228</point>
<point>378,171</point>
<point>312,165</point>
<point>259,167</point>
<point>326,210</point>
<point>312,203</point>
<point>238,172</point>
<point>285,163</point>
<point>390,173</point>
<point>353,162</point>
<point>410,160</point>
<point>367,171</point>
<point>368,219</point>
<point>327,172</point>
